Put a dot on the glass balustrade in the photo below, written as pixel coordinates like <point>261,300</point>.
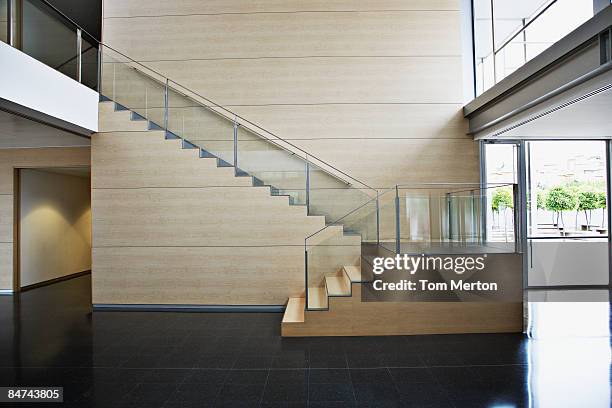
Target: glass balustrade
<point>419,219</point>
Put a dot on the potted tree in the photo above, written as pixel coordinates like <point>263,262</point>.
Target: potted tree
<point>601,203</point>
<point>561,199</point>
<point>501,201</point>
<point>587,202</point>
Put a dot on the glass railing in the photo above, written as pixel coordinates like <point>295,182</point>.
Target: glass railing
<point>547,23</point>
<point>418,219</point>
<point>235,141</point>
<point>45,34</point>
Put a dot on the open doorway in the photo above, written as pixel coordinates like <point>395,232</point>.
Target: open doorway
<point>53,216</point>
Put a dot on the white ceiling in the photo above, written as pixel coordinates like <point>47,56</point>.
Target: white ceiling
<point>16,131</point>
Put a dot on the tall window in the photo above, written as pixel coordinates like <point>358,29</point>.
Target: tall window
<point>508,33</point>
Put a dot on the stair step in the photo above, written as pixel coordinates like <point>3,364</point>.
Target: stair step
<point>223,163</point>
<point>353,273</point>
<point>104,98</point>
<point>294,313</point>
<point>241,173</point>
<point>257,182</point>
<point>338,285</point>
<point>188,145</point>
<point>119,107</point>
<point>206,154</point>
<point>154,126</point>
<point>317,298</point>
<point>170,135</point>
<point>136,116</point>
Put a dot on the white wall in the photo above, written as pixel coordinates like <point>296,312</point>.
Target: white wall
<point>30,83</point>
<point>55,230</point>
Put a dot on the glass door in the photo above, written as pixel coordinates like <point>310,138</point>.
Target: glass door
<point>567,217</point>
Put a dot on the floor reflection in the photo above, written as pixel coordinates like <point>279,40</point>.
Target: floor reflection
<point>50,336</point>
<point>569,353</point>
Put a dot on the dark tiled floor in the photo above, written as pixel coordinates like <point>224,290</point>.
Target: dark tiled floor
<point>50,337</point>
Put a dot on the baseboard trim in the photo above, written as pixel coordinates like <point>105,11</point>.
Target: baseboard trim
<point>55,280</point>
<point>6,292</point>
<point>190,308</point>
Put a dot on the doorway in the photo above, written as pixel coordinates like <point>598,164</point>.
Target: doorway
<point>53,217</point>
<point>565,190</point>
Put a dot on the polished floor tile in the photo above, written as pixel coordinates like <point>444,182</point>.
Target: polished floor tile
<point>50,336</point>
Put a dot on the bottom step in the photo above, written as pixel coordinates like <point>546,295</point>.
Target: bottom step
<point>294,313</point>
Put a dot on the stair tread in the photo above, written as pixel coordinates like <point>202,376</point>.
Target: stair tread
<point>294,313</point>
<point>353,272</point>
<point>317,298</point>
<point>337,286</point>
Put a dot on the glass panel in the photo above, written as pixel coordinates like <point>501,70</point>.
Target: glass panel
<point>440,219</point>
<point>340,244</point>
<point>568,261</point>
<point>272,165</point>
<point>89,64</point>
<point>132,86</point>
<point>200,125</point>
<point>46,38</point>
<point>567,216</point>
<point>483,45</point>
<point>332,197</point>
<point>567,184</point>
<point>522,30</point>
<point>4,20</point>
<point>512,16</point>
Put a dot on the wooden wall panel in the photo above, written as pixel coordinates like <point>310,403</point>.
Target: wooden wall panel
<point>321,71</point>
<point>320,80</point>
<point>6,218</point>
<point>362,121</point>
<point>197,275</point>
<point>123,8</point>
<point>170,227</point>
<point>272,35</point>
<point>375,161</point>
<point>121,162</point>
<point>217,216</point>
<point>6,265</point>
<point>11,159</point>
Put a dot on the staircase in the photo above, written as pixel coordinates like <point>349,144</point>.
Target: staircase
<point>237,145</point>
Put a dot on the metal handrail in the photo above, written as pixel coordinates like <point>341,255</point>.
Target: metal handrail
<point>230,115</point>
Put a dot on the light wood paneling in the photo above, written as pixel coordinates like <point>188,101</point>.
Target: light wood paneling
<point>6,218</point>
<point>122,8</point>
<point>170,227</point>
<point>146,159</point>
<point>364,121</point>
<point>6,265</point>
<point>381,162</point>
<point>388,33</point>
<point>221,275</point>
<point>33,158</point>
<point>349,316</point>
<point>199,216</point>
<point>321,80</point>
<point>11,159</point>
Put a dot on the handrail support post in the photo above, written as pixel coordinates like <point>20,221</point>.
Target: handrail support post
<point>236,145</point>
<point>397,221</point>
<point>166,108</point>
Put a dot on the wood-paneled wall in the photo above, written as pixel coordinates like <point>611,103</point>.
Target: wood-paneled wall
<point>11,159</point>
<point>172,228</point>
<point>372,87</point>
